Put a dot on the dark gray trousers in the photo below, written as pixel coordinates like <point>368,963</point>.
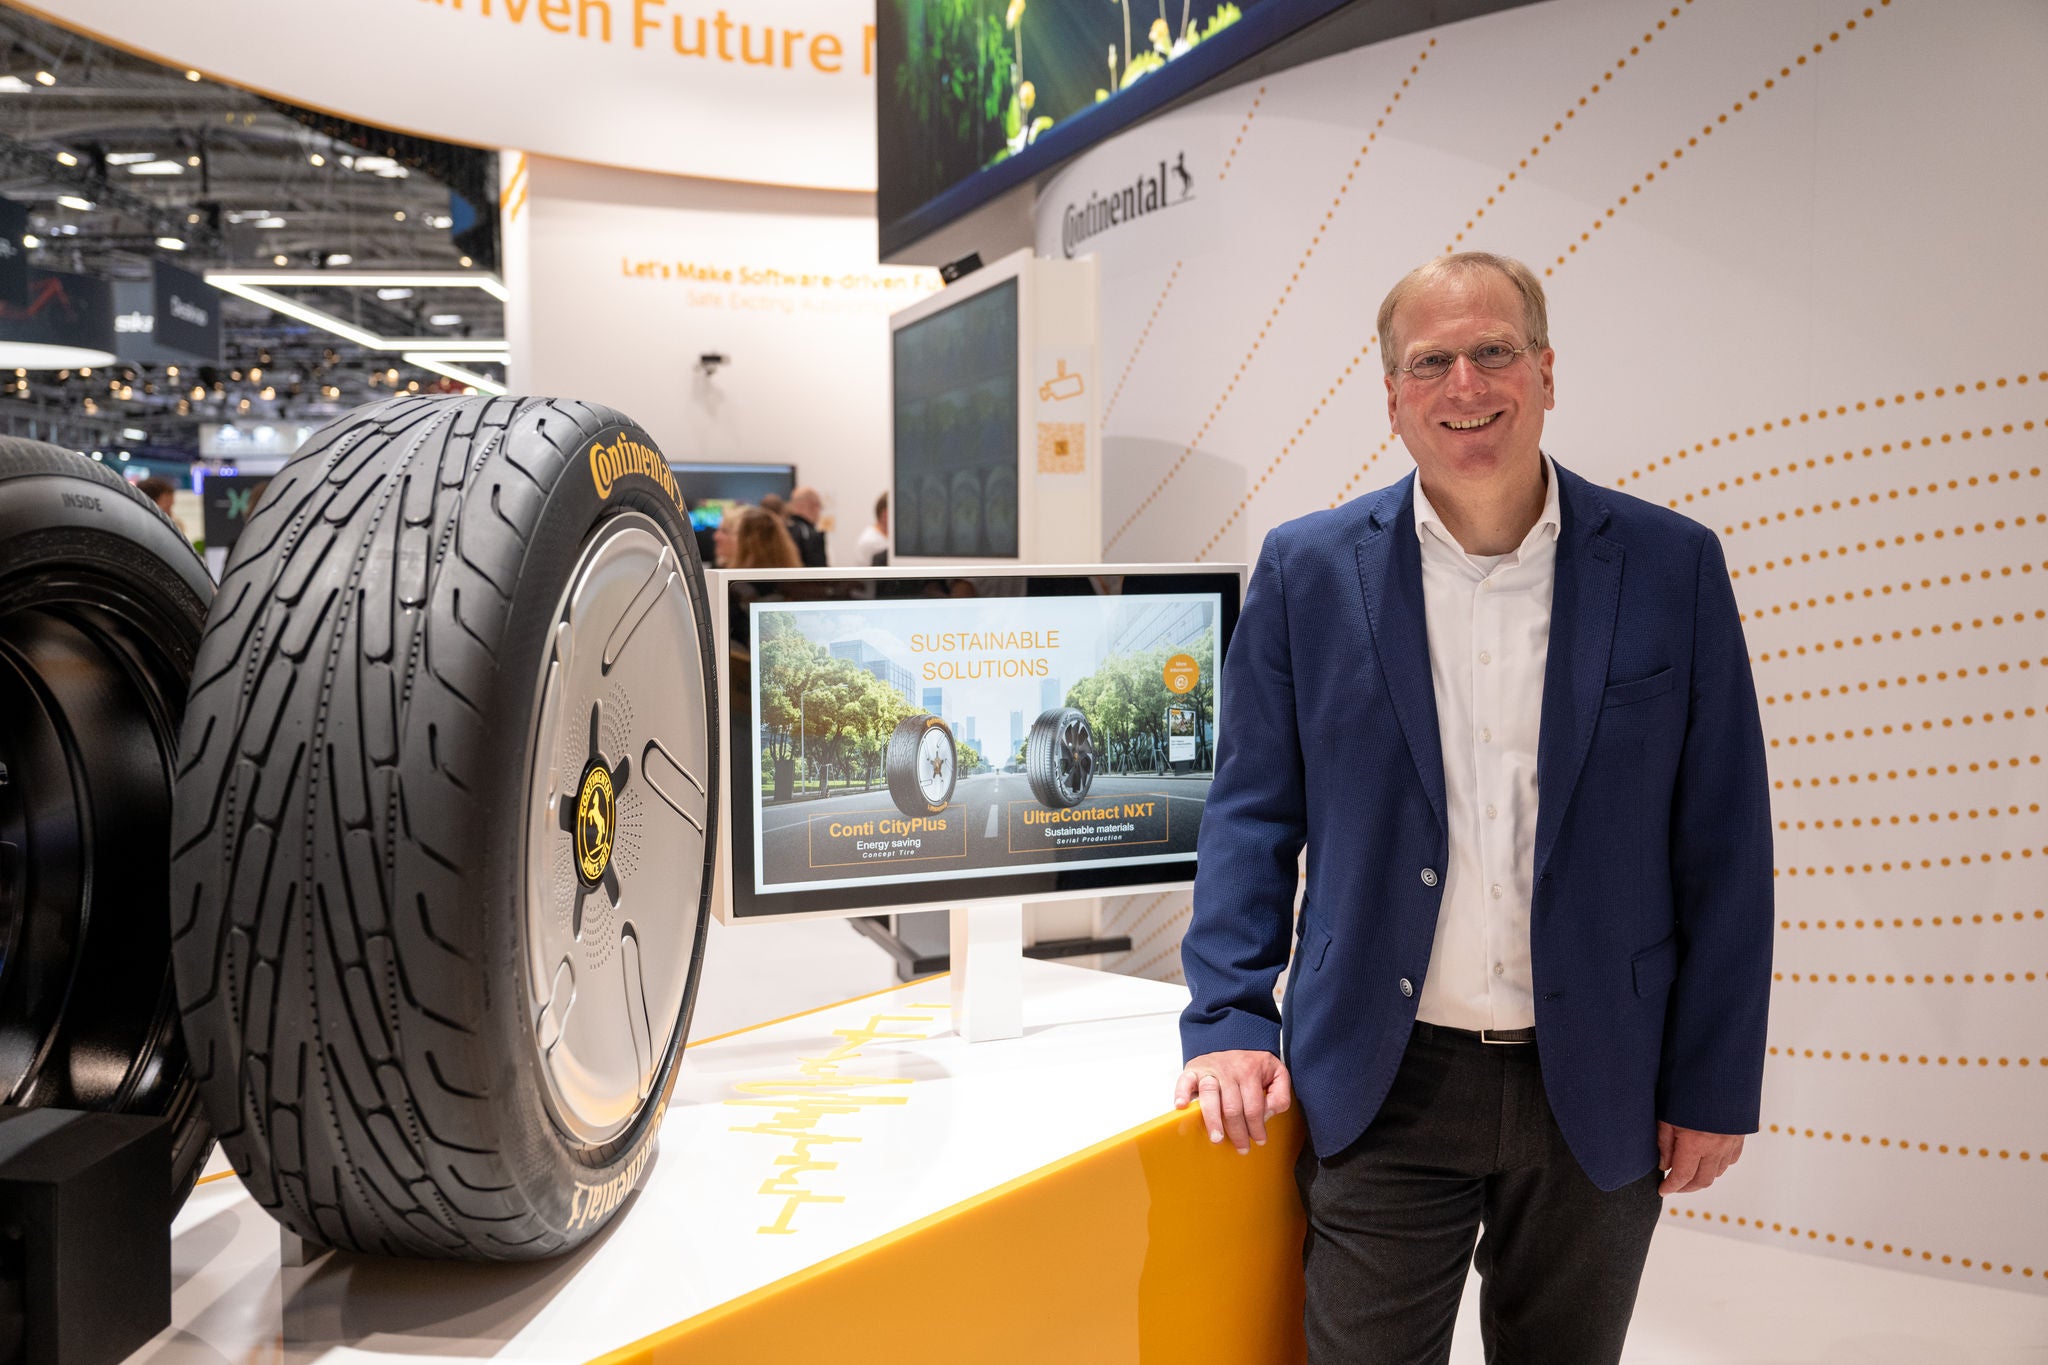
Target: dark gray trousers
<point>1465,1142</point>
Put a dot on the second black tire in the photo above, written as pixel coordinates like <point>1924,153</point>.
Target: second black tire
<point>446,771</point>
<point>1059,757</point>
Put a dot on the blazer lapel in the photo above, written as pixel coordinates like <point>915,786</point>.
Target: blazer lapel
<point>1584,602</point>
<point>1390,571</point>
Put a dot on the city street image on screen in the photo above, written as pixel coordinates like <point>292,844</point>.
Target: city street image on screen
<point>933,739</point>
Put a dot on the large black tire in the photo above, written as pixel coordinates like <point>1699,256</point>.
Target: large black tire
<point>359,887</point>
<point>1060,758</point>
<point>900,765</point>
<point>102,602</point>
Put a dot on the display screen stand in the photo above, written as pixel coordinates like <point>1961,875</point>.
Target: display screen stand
<point>988,970</point>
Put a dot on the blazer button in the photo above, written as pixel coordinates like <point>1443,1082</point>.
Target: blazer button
<point>1406,987</point>
<point>1429,876</point>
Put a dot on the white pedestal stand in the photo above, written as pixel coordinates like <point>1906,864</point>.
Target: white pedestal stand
<point>988,970</point>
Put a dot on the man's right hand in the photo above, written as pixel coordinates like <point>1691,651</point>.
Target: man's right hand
<point>1238,1091</point>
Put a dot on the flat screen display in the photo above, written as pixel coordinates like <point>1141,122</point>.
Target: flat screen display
<point>955,420</point>
<point>921,739</point>
<point>977,96</point>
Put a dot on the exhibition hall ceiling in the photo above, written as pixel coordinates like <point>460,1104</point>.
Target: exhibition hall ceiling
<point>120,162</point>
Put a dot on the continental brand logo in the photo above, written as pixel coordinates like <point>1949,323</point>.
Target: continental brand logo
<point>590,1205</point>
<point>610,463</point>
<point>595,809</point>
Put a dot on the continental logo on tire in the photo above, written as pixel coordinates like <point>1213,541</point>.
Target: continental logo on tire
<point>590,1205</point>
<point>596,810</point>
<point>610,463</point>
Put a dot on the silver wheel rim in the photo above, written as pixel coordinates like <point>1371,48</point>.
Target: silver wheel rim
<point>935,766</point>
<point>615,840</point>
<point>1074,756</point>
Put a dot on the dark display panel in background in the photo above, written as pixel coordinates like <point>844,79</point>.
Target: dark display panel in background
<point>954,386</point>
<point>908,738</point>
<point>711,489</point>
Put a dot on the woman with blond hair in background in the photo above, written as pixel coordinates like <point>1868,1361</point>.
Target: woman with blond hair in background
<point>749,538</point>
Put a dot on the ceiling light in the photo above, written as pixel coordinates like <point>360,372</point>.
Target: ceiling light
<point>341,258</point>
<point>255,374</point>
<point>191,75</point>
<point>135,434</point>
<point>439,220</point>
<point>197,393</point>
<point>45,78</point>
<point>98,456</point>
<point>192,160</point>
<point>12,85</point>
<point>31,241</point>
<point>129,158</point>
<point>72,201</point>
<point>445,320</point>
<point>317,159</point>
<point>374,164</point>
<point>466,263</point>
<point>398,215</point>
<point>279,260</point>
<point>191,217</point>
<point>157,168</point>
<point>66,159</point>
<point>124,455</point>
<point>454,367</point>
<point>271,222</point>
<point>171,372</point>
<point>171,243</point>
<point>393,295</point>
<point>268,393</point>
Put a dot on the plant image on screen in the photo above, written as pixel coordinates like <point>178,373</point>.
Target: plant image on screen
<point>978,81</point>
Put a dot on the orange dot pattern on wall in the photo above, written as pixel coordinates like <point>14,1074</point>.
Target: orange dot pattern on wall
<point>1906,727</point>
<point>1172,950</point>
<point>2018,618</point>
<point>1359,473</point>
<point>1933,817</point>
<point>1917,922</point>
<point>1706,130</point>
<point>1885,590</point>
<point>1273,316</point>
<point>1904,864</point>
<point>1880,543</point>
<point>1139,349</point>
<point>1849,1139</point>
<point>1820,414</point>
<point>1795,1232</point>
<point>1908,979</point>
<point>1788,1053</point>
<point>1902,680</point>
<point>1557,127</point>
<point>1230,157</point>
<point>1802,511</point>
<point>1258,485</point>
<point>1893,775</point>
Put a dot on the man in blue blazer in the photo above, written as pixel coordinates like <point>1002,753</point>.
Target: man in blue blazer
<point>1510,715</point>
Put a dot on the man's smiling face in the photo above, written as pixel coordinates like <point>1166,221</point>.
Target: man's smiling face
<point>1472,426</point>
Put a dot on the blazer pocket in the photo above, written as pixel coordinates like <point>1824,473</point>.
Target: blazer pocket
<point>1314,944</point>
<point>1641,689</point>
<point>1655,968</point>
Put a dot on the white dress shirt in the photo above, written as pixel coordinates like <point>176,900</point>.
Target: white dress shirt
<point>1489,637</point>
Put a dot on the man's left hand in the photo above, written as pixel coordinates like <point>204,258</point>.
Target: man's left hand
<point>1693,1160</point>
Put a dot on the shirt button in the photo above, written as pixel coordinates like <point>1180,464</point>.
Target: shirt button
<point>1486,735</point>
<point>1484,657</point>
<point>1429,876</point>
<point>1496,890</point>
<point>1491,812</point>
<point>1406,987</point>
<point>1498,969</point>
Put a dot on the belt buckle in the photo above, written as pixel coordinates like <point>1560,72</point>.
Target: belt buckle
<point>1486,1036</point>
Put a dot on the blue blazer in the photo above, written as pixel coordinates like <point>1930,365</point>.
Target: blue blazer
<point>1650,929</point>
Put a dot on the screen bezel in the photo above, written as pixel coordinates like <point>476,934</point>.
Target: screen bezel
<point>737,902</point>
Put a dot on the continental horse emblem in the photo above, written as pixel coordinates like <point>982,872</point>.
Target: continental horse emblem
<point>595,821</point>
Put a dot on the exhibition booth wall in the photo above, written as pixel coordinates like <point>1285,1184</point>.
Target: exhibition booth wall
<point>1779,245</point>
<point>622,281</point>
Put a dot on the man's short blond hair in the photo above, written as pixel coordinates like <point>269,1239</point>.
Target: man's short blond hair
<point>1535,315</point>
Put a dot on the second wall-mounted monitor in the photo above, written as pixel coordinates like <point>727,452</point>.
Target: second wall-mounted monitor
<point>994,414</point>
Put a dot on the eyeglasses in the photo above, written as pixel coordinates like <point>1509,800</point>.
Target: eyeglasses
<point>1487,355</point>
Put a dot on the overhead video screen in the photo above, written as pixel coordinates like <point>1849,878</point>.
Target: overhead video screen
<point>906,749</point>
<point>954,380</point>
<point>976,96</point>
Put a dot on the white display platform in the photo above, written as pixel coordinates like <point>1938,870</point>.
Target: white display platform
<point>785,1145</point>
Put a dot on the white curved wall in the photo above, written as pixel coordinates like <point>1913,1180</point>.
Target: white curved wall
<point>1792,254</point>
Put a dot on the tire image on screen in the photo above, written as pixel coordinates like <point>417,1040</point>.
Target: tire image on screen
<point>441,865</point>
<point>966,514</point>
<point>102,603</point>
<point>931,505</point>
<point>1059,757</point>
<point>904,519</point>
<point>999,521</point>
<point>921,765</point>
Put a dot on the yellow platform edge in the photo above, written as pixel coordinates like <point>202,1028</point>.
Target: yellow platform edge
<point>1152,1241</point>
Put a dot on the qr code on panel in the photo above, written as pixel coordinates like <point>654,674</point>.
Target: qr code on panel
<point>1062,448</point>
